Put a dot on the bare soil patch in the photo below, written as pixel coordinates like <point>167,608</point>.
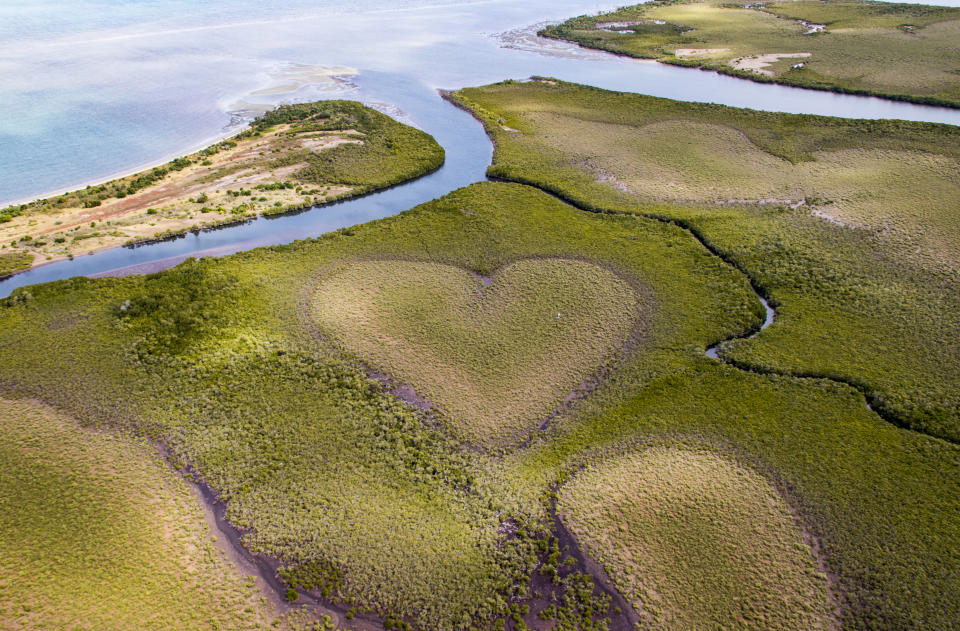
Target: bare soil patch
<point>760,63</point>
<point>213,189</point>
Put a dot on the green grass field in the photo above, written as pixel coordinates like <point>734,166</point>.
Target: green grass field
<point>874,304</point>
<point>900,51</point>
<point>370,502</point>
<point>96,532</point>
<point>542,348</point>
<point>877,499</point>
<point>352,490</point>
<point>497,359</point>
<point>698,542</point>
<point>13,262</point>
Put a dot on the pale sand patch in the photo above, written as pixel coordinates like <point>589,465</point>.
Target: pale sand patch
<point>824,215</point>
<point>759,63</point>
<point>605,25</point>
<point>293,78</point>
<point>614,27</point>
<point>172,200</point>
<point>695,52</point>
<point>613,180</point>
<point>279,89</point>
<point>319,143</point>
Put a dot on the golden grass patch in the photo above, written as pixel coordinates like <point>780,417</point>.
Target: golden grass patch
<point>696,541</point>
<point>497,355</point>
<point>97,533</point>
<point>909,195</point>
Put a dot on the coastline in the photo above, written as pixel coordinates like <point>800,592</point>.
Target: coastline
<point>241,114</point>
<point>756,77</point>
<point>313,204</point>
<point>236,126</point>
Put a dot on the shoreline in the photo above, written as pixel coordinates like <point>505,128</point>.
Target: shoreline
<point>756,77</point>
<point>165,263</point>
<point>229,131</point>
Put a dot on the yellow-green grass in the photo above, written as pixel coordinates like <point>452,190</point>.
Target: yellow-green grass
<point>12,262</point>
<point>874,303</point>
<point>353,491</point>
<point>363,497</point>
<point>498,355</point>
<point>291,158</point>
<point>696,541</point>
<point>866,47</point>
<point>878,499</point>
<point>96,532</point>
<point>910,194</point>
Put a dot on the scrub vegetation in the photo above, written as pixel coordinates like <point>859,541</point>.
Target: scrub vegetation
<point>873,303</point>
<point>878,500</point>
<point>383,510</point>
<point>291,158</point>
<point>13,262</point>
<point>96,532</point>
<point>407,419</point>
<point>359,496</point>
<point>698,542</point>
<point>900,51</point>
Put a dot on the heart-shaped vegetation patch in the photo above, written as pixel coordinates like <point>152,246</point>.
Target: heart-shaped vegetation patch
<point>696,541</point>
<point>497,354</point>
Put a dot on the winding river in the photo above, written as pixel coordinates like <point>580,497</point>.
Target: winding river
<point>489,51</point>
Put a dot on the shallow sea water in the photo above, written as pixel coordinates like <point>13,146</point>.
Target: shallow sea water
<point>98,88</point>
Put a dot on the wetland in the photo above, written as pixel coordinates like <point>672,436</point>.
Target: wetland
<point>673,365</point>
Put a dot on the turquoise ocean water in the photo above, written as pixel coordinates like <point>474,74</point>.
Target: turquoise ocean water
<point>91,89</point>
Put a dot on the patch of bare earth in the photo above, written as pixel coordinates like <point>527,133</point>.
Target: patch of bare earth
<point>698,52</point>
<point>207,192</point>
<point>760,63</point>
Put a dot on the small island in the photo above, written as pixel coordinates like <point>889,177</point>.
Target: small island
<point>294,157</point>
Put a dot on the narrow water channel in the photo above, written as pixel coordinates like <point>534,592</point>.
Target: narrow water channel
<point>413,97</point>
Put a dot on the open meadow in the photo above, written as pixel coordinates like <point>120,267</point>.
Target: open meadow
<point>97,532</point>
<point>895,50</point>
<point>487,350</point>
<point>250,374</point>
<point>669,521</point>
<point>323,468</point>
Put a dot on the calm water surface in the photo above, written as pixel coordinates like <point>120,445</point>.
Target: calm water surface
<point>98,88</point>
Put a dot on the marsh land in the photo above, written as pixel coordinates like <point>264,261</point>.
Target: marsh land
<point>900,51</point>
<point>497,410</point>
